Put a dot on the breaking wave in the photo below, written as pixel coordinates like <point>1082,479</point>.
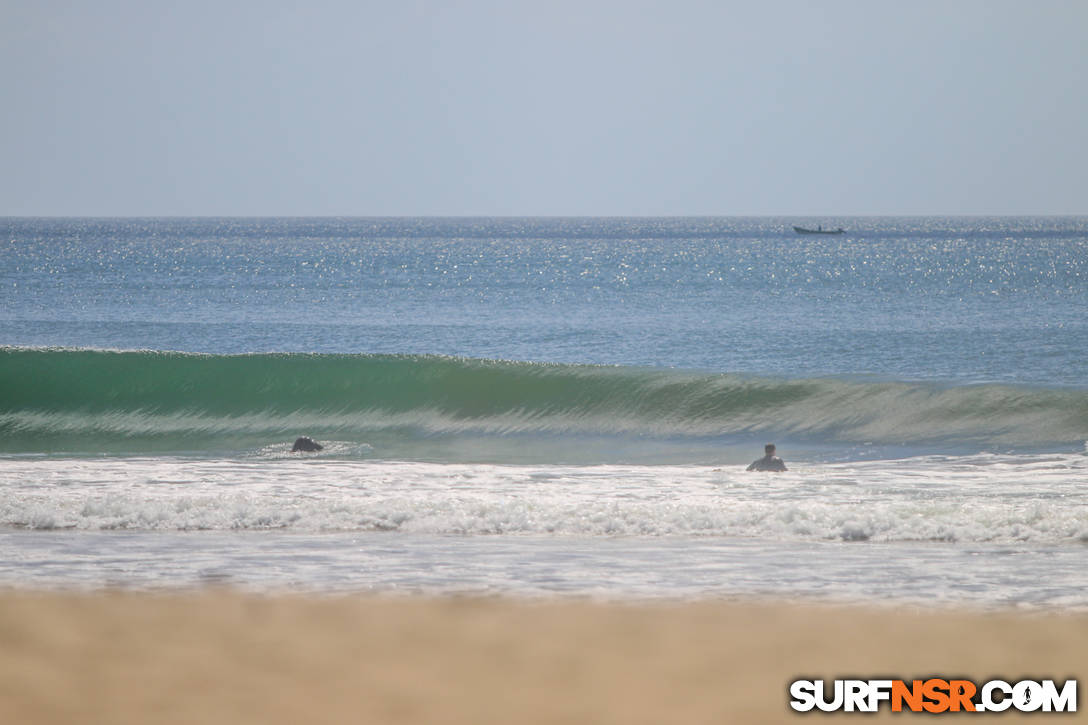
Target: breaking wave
<point>78,400</point>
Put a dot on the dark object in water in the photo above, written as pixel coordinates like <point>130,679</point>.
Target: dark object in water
<point>305,443</point>
<point>818,230</point>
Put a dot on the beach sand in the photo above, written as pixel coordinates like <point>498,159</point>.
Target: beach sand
<point>227,657</point>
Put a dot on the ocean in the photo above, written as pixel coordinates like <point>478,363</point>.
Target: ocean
<point>549,406</point>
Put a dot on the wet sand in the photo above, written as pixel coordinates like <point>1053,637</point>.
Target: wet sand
<point>226,657</point>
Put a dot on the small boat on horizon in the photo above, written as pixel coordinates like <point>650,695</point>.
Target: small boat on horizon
<point>818,230</point>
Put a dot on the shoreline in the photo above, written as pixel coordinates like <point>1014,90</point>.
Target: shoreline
<point>224,656</point>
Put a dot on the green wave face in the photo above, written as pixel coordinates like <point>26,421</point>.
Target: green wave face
<point>58,400</point>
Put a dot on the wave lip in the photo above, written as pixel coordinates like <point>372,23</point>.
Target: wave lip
<point>146,401</point>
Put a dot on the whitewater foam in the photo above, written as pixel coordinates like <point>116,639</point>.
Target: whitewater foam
<point>982,499</point>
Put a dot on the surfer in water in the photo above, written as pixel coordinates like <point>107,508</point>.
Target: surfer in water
<point>769,462</point>
<point>307,445</point>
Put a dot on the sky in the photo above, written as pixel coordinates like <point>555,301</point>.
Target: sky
<point>551,108</point>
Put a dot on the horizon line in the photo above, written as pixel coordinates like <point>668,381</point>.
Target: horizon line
<point>962,215</point>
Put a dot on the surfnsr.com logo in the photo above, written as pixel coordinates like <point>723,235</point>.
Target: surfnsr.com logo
<point>934,695</point>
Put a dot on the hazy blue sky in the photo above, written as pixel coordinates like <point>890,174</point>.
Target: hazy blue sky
<point>135,107</point>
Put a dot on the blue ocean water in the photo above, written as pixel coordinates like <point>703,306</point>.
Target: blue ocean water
<point>943,299</point>
<point>502,397</point>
